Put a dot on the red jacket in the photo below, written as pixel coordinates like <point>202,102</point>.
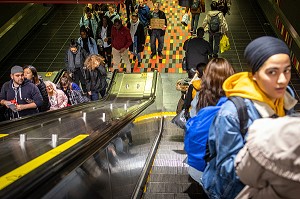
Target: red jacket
<point>120,38</point>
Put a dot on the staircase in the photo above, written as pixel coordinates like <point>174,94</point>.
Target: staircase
<point>168,178</point>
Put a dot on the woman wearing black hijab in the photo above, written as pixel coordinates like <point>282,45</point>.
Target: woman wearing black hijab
<point>264,94</point>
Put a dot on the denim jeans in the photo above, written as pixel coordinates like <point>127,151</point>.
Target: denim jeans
<point>135,49</point>
<point>194,22</point>
<point>156,35</point>
<point>94,96</point>
<point>214,41</point>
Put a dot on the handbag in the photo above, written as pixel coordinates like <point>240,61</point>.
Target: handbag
<point>180,119</point>
<point>185,19</point>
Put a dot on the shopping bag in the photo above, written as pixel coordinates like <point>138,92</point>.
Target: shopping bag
<point>185,19</point>
<point>180,119</point>
<point>224,44</point>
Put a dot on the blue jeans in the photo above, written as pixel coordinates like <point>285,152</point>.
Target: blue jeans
<point>156,35</point>
<point>214,41</point>
<point>135,49</point>
<point>194,22</point>
<point>94,96</point>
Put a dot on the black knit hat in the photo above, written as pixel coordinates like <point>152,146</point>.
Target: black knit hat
<point>261,49</point>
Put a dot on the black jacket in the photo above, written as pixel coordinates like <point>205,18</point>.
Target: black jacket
<point>108,32</point>
<point>96,79</point>
<point>140,37</point>
<point>46,104</point>
<point>197,51</point>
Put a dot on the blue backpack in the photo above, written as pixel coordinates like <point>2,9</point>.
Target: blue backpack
<point>197,128</point>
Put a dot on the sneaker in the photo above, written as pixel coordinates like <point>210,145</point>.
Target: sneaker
<point>152,55</point>
<point>160,54</point>
<point>191,31</point>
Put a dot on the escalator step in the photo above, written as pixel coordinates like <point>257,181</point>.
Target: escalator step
<point>169,178</point>
<point>173,196</point>
<point>174,187</point>
<point>169,170</point>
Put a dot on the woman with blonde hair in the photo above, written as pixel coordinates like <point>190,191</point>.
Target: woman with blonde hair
<point>95,76</point>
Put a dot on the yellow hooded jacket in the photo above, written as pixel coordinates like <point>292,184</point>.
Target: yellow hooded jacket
<point>197,86</point>
<point>242,85</point>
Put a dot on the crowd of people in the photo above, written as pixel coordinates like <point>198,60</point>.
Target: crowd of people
<point>103,32</point>
<point>222,155</point>
<point>27,93</point>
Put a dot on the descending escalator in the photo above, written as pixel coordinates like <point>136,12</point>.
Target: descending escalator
<point>35,164</point>
<point>168,177</point>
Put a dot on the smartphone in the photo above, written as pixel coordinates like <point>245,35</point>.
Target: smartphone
<point>13,107</point>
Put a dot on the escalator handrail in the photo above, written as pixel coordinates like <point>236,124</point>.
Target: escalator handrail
<point>138,190</point>
<point>44,180</point>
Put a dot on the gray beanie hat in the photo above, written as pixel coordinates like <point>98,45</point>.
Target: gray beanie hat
<point>16,69</point>
<point>261,49</point>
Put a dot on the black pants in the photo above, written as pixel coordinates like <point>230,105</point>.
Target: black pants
<point>106,53</point>
<point>214,41</point>
<point>80,77</point>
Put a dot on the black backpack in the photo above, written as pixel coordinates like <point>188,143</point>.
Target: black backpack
<point>214,23</point>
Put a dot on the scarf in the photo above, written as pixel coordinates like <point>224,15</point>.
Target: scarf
<point>133,28</point>
<point>72,63</point>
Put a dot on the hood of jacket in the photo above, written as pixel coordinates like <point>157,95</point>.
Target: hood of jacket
<point>213,12</point>
<point>242,85</point>
<point>276,146</point>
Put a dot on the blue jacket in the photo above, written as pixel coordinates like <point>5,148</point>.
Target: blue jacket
<point>91,43</point>
<point>225,140</point>
<point>144,14</point>
<point>84,21</point>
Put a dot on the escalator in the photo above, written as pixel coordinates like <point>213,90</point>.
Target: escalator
<point>41,154</point>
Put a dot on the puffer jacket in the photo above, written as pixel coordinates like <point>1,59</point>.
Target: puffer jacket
<point>223,23</point>
<point>269,163</point>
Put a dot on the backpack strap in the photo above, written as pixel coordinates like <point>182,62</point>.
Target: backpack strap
<point>243,118</point>
<point>242,113</point>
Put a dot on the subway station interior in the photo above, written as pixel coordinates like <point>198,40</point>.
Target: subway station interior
<point>84,151</point>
